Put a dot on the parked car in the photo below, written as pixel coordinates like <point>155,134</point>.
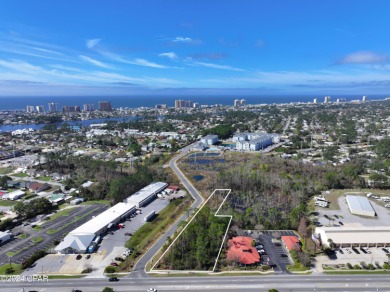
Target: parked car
<point>341,251</point>
<point>283,255</point>
<point>348,251</point>
<point>341,223</point>
<point>128,234</point>
<point>119,259</point>
<point>78,257</point>
<point>114,264</point>
<point>152,290</point>
<point>87,256</point>
<point>113,279</point>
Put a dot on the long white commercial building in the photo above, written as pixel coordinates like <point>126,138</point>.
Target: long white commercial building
<point>146,195</point>
<point>355,236</point>
<point>78,240</point>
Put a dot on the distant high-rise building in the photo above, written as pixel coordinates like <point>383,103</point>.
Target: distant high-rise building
<point>338,100</point>
<point>180,103</point>
<point>364,98</point>
<point>196,105</point>
<point>315,100</point>
<point>160,106</point>
<point>327,99</point>
<point>40,108</point>
<point>71,109</point>
<point>88,107</point>
<point>105,106</point>
<point>53,107</point>
<point>30,109</point>
<point>239,102</point>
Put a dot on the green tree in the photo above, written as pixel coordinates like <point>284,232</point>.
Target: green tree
<point>3,181</point>
<point>383,148</point>
<point>332,180</point>
<point>108,289</point>
<point>378,180</point>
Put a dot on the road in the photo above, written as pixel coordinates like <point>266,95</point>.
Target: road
<point>139,267</point>
<point>244,283</point>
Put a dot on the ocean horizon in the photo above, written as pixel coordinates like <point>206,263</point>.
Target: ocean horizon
<point>20,103</point>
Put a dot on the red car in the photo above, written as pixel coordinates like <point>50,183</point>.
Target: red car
<point>114,264</point>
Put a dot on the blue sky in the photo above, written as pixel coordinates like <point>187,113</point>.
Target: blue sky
<point>216,46</point>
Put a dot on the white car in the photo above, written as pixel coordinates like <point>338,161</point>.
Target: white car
<point>152,290</point>
<point>387,205</point>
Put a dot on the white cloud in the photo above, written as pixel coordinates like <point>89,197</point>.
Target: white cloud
<point>92,43</point>
<point>20,70</point>
<point>137,61</point>
<point>217,66</point>
<point>363,57</point>
<point>182,40</point>
<point>94,62</point>
<point>170,55</point>
<point>146,63</point>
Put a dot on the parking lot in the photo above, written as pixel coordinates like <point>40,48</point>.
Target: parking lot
<point>343,217</point>
<point>111,246</point>
<point>24,248</point>
<point>354,256</point>
<point>275,253</point>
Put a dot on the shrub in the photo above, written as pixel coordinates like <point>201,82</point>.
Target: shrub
<point>386,266</point>
<point>9,270</point>
<point>110,270</point>
<point>265,267</point>
<point>371,267</point>
<point>35,256</point>
<point>349,266</point>
<point>357,267</point>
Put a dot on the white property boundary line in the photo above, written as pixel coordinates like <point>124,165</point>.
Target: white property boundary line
<point>189,222</point>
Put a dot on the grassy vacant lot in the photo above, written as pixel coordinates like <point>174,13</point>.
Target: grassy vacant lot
<point>6,170</point>
<point>17,269</point>
<point>20,174</point>
<point>44,178</point>
<point>61,213</point>
<point>6,203</point>
<point>151,231</point>
<point>103,202</point>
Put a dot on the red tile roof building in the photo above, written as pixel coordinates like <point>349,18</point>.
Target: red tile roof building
<point>292,242</point>
<point>241,250</point>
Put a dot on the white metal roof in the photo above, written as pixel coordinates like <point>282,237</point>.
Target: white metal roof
<point>350,235</point>
<point>359,204</point>
<point>77,242</point>
<point>103,219</point>
<point>146,192</point>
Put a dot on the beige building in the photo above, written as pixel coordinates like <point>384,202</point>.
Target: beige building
<point>355,236</point>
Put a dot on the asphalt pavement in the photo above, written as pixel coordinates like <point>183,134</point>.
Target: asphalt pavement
<point>24,247</point>
<point>139,267</point>
<point>283,283</point>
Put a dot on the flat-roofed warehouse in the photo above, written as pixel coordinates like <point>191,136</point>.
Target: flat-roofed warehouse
<point>147,194</point>
<point>80,238</point>
<point>355,236</point>
<point>360,206</point>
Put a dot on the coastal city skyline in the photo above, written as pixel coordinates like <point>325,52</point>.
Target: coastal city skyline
<point>256,48</point>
